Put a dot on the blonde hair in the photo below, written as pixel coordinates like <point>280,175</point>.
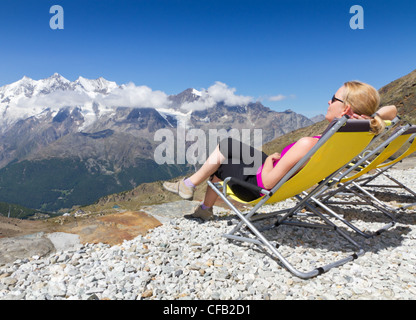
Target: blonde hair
<point>364,99</point>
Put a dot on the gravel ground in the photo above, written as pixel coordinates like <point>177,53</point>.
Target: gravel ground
<point>186,259</point>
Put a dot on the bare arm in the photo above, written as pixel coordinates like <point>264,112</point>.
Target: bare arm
<point>385,113</point>
<point>268,164</point>
<point>271,176</point>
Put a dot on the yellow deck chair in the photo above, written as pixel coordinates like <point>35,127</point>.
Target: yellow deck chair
<point>409,151</point>
<point>345,144</point>
<point>384,167</point>
<point>342,141</point>
<point>390,150</point>
<point>352,185</point>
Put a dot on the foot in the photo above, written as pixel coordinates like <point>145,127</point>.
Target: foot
<point>180,188</point>
<point>200,213</point>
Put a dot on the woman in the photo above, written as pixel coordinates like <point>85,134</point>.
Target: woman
<point>355,99</point>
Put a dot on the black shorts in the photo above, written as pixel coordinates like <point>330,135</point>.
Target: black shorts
<point>236,154</point>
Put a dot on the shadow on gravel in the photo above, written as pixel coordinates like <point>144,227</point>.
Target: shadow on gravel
<point>321,246</point>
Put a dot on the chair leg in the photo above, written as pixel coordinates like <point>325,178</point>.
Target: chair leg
<point>407,206</point>
<point>349,224</point>
<point>261,241</point>
<point>398,185</point>
<point>367,198</point>
<point>379,172</point>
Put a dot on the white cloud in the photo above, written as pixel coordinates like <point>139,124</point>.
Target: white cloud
<point>54,100</point>
<point>128,95</point>
<point>218,92</point>
<point>136,97</point>
<point>279,97</point>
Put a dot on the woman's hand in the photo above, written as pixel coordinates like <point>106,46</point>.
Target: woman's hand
<point>385,113</point>
<point>271,175</point>
<point>275,156</point>
<point>360,117</point>
<point>270,161</point>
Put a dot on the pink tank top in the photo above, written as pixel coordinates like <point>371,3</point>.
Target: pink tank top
<point>284,151</point>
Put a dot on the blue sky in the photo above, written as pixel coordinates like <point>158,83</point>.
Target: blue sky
<point>298,49</point>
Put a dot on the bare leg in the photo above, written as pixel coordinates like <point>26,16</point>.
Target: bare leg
<point>208,168</point>
<point>210,195</point>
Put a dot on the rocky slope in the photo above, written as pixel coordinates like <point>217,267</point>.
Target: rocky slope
<point>402,93</point>
<point>186,259</point>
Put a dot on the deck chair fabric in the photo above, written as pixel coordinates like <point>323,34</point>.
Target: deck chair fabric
<point>397,141</point>
<point>382,170</point>
<point>408,152</point>
<point>392,148</point>
<point>349,185</point>
<point>342,141</point>
<point>348,141</point>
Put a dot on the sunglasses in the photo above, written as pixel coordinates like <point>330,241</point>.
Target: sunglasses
<point>335,99</point>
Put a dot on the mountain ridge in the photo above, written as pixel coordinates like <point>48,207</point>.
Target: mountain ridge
<point>402,93</point>
<point>398,92</point>
<point>108,130</point>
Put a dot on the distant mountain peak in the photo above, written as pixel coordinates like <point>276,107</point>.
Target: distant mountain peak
<point>56,75</point>
<point>100,85</point>
<point>196,92</point>
<point>187,96</point>
<point>318,118</point>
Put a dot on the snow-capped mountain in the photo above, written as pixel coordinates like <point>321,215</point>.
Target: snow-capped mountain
<point>97,130</point>
<point>28,88</point>
<point>31,98</point>
<point>98,102</point>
